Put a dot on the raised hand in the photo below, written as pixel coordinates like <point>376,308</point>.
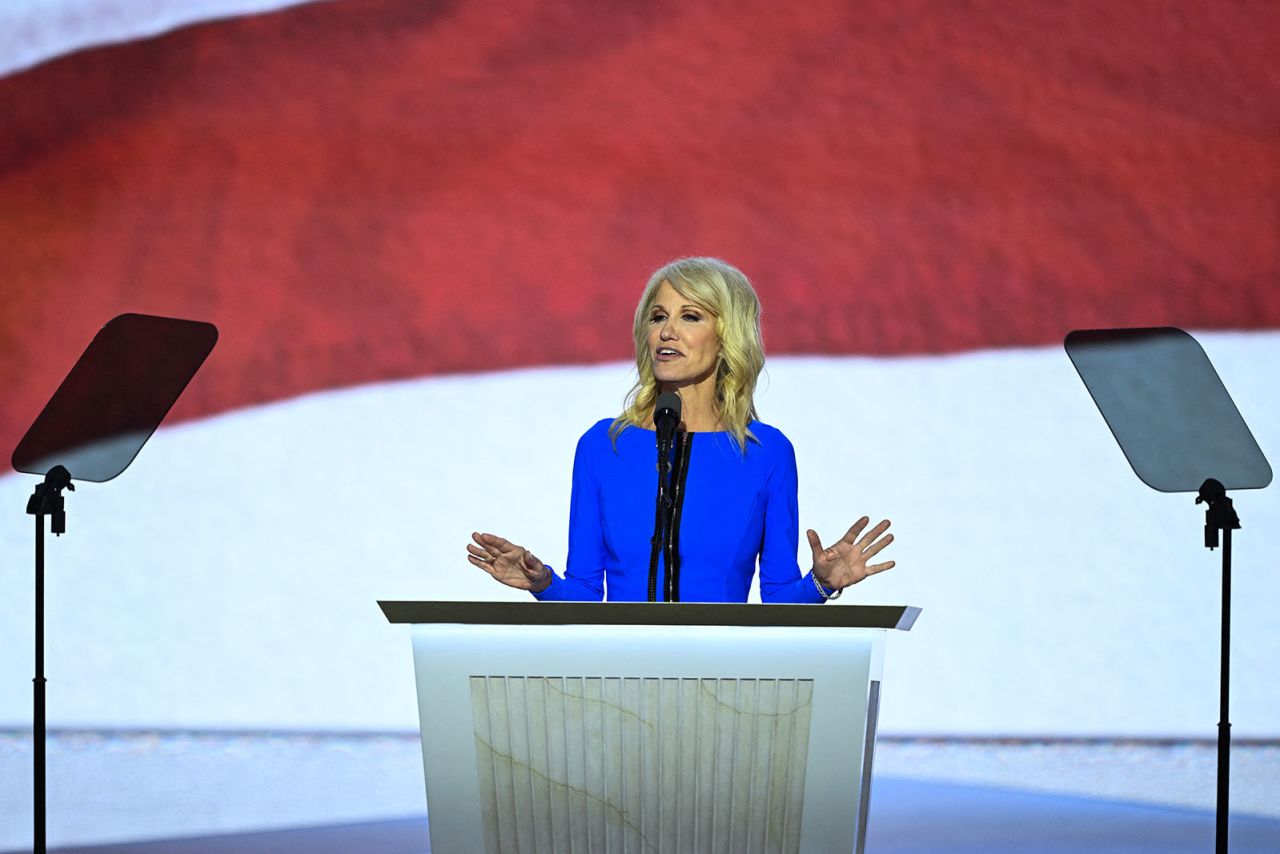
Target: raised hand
<point>844,562</point>
<point>515,566</point>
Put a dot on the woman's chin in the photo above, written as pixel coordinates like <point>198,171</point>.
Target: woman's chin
<point>670,378</point>
<point>676,375</point>
<point>663,373</point>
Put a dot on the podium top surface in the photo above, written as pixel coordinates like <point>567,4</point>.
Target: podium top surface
<point>900,617</point>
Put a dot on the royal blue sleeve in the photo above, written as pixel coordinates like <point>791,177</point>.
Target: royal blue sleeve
<point>583,579</point>
<point>780,576</point>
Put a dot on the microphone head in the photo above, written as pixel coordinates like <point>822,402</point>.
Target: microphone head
<point>666,413</point>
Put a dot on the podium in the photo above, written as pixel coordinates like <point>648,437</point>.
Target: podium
<point>647,727</point>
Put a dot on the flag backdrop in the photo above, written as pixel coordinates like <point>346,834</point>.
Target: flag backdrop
<point>422,229</point>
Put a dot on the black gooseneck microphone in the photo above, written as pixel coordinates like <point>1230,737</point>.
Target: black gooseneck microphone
<point>666,417</point>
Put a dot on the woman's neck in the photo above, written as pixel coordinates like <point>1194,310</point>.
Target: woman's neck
<point>698,410</point>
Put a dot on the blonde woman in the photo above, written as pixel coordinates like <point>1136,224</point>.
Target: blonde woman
<point>697,334</point>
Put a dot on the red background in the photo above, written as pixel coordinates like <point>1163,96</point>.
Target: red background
<point>367,189</point>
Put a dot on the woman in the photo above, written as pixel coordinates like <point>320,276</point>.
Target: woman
<point>697,333</point>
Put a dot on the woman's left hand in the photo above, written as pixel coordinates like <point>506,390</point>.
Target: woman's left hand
<point>844,562</point>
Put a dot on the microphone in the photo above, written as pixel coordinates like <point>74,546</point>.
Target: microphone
<point>666,416</point>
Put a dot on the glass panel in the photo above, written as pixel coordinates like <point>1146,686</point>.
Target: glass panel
<point>116,395</point>
<point>1166,406</point>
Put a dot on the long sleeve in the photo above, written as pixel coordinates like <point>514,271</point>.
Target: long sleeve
<point>583,579</point>
<point>780,576</point>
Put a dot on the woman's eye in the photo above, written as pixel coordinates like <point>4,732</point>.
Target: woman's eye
<point>657,318</point>
<point>691,316</point>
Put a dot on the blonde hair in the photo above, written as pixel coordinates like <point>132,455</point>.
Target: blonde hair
<point>723,291</point>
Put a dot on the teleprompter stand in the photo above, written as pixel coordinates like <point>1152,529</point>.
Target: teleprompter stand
<point>1181,432</point>
<point>97,421</point>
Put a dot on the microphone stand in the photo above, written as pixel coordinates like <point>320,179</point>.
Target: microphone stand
<point>666,418</point>
<point>1220,516</point>
<point>677,472</point>
<point>47,500</point>
<point>662,511</point>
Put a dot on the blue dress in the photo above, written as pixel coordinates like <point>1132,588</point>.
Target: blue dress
<point>737,509</point>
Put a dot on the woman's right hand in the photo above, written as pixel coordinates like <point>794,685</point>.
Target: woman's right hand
<point>513,565</point>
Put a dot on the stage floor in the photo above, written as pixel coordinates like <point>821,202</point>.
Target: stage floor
<point>908,817</point>
<point>228,792</point>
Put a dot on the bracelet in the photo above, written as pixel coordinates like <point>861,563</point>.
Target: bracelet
<point>822,591</point>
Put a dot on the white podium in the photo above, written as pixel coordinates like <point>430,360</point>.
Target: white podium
<point>647,727</point>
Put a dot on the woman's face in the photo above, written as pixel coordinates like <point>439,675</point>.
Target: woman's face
<point>683,345</point>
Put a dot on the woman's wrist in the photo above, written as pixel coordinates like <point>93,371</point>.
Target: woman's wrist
<point>823,591</point>
<point>545,582</point>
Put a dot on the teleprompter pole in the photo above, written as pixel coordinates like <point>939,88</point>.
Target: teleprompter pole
<point>1224,717</point>
<point>38,713</point>
<point>47,500</point>
<point>1220,517</point>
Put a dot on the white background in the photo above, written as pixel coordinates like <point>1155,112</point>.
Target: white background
<point>229,578</point>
